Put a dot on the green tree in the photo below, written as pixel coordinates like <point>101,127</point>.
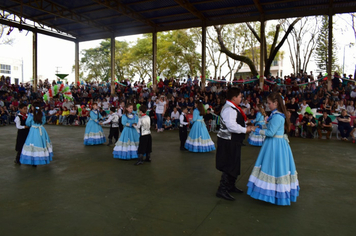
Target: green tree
<point>271,40</point>
<point>96,61</point>
<point>321,50</point>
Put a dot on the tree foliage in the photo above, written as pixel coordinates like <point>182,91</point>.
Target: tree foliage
<point>302,42</point>
<point>321,51</point>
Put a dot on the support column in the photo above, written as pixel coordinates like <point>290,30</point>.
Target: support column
<point>154,60</point>
<point>203,59</point>
<point>330,49</point>
<point>76,62</point>
<point>112,51</point>
<point>34,61</point>
<point>262,49</point>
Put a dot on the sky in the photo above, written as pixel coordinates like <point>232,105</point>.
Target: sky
<point>57,55</point>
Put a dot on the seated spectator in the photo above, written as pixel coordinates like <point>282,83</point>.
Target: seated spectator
<point>344,125</point>
<point>104,114</point>
<point>64,115</point>
<point>353,132</point>
<point>153,116</point>
<point>72,115</point>
<point>83,116</point>
<point>52,116</point>
<point>168,124</point>
<point>340,106</point>
<point>252,114</point>
<point>351,108</point>
<point>309,126</point>
<point>324,123</point>
<point>208,118</point>
<point>4,114</point>
<point>175,117</point>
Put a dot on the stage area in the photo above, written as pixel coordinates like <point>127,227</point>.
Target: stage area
<point>84,191</point>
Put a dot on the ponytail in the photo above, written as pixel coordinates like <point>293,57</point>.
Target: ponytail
<point>276,97</point>
<point>37,113</point>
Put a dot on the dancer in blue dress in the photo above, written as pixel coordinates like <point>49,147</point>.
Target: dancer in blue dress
<point>127,145</point>
<point>37,149</point>
<point>199,139</point>
<point>257,139</point>
<point>94,134</point>
<point>274,177</point>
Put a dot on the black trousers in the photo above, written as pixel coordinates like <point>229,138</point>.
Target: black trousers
<point>183,134</point>
<point>114,132</point>
<point>228,157</point>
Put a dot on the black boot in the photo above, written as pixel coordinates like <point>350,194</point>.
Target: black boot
<point>110,142</point>
<point>140,160</point>
<point>17,159</point>
<point>232,188</point>
<point>223,188</point>
<point>148,156</point>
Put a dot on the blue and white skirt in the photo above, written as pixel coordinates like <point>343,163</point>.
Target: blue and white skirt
<point>199,139</point>
<point>127,145</point>
<point>37,149</point>
<point>94,134</point>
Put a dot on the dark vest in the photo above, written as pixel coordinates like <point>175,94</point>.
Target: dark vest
<point>240,121</point>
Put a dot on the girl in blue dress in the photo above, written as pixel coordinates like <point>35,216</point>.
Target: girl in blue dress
<point>37,149</point>
<point>257,139</point>
<point>94,134</point>
<point>199,139</point>
<point>127,145</point>
<point>274,177</point>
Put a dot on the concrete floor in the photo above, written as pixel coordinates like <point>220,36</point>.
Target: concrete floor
<point>84,191</point>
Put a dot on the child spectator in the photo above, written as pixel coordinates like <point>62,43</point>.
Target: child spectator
<point>175,117</point>
<point>324,123</point>
<point>64,115</point>
<point>208,118</point>
<point>168,124</point>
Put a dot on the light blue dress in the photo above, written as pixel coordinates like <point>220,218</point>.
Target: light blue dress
<point>127,145</point>
<point>94,134</point>
<point>274,177</point>
<point>37,149</point>
<point>257,139</point>
<point>199,139</point>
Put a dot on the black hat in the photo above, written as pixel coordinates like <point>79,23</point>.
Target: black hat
<point>113,109</point>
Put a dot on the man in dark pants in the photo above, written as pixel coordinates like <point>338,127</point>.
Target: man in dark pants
<point>183,125</point>
<point>231,134</point>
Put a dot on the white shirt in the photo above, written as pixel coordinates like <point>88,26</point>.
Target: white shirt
<point>106,105</point>
<point>175,116</point>
<point>181,120</point>
<point>353,94</point>
<point>119,111</point>
<point>160,107</point>
<point>18,123</point>
<point>229,115</point>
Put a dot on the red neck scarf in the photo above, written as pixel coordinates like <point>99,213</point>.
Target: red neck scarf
<point>143,114</point>
<point>241,111</point>
<point>24,116</point>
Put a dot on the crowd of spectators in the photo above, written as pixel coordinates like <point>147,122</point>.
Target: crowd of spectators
<point>165,103</point>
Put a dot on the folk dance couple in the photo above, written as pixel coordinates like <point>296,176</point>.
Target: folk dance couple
<point>274,176</point>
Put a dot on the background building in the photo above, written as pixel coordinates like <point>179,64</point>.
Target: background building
<point>11,68</point>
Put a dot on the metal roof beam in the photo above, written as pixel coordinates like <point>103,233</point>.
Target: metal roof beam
<point>55,9</point>
<point>121,8</point>
<point>189,7</point>
<point>259,6</point>
<point>35,29</point>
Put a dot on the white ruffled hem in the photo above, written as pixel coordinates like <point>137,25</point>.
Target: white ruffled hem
<point>275,187</point>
